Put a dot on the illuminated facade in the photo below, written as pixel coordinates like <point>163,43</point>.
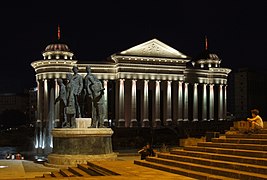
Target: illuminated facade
<point>148,85</point>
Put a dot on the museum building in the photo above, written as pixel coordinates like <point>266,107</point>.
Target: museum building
<point>148,85</point>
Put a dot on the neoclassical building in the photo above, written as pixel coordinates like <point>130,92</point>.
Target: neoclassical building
<point>148,85</point>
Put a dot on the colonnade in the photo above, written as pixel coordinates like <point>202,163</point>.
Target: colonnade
<point>193,102</point>
<point>172,102</point>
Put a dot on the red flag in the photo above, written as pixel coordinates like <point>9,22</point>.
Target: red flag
<point>206,43</point>
<point>58,32</point>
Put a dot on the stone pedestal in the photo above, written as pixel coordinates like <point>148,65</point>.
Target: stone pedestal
<point>83,122</point>
<point>79,145</point>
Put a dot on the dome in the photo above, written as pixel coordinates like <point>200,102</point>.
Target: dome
<point>57,47</point>
<point>206,55</point>
<point>207,59</point>
<point>57,51</point>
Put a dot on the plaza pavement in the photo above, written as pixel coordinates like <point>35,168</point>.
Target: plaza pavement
<point>24,169</point>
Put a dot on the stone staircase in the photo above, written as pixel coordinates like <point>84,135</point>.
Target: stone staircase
<point>233,156</point>
<point>81,170</point>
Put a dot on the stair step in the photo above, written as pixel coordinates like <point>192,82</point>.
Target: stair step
<point>237,152</point>
<point>89,170</point>
<point>240,141</point>
<point>46,175</point>
<point>57,174</point>
<point>66,173</point>
<point>181,171</point>
<point>247,136</point>
<point>78,172</point>
<point>220,171</point>
<point>263,131</point>
<point>216,163</point>
<point>103,170</point>
<point>255,147</point>
<point>222,157</point>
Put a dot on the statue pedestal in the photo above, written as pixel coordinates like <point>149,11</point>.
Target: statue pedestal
<point>83,122</point>
<point>72,146</point>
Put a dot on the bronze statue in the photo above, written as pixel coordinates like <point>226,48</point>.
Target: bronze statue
<point>77,85</point>
<point>62,99</point>
<point>95,91</point>
<point>70,109</point>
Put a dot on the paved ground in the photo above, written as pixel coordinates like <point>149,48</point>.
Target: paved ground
<point>23,169</point>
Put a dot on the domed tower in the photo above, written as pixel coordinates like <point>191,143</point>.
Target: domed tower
<point>208,77</point>
<point>206,59</point>
<point>56,63</point>
<point>57,50</point>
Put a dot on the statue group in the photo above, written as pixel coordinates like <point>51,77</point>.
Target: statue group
<point>81,98</point>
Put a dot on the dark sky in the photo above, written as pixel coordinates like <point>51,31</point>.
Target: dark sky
<point>94,30</point>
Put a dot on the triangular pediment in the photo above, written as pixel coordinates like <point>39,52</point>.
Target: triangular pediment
<point>154,48</point>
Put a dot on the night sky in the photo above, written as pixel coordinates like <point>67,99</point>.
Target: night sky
<point>94,30</point>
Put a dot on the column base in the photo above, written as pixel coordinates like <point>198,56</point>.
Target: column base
<point>121,123</point>
<point>106,123</point>
<point>145,123</point>
<point>134,123</point>
<point>168,122</point>
<point>57,123</point>
<point>157,123</point>
<point>194,120</point>
<point>185,120</point>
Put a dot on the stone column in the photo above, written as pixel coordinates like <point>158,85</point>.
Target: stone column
<point>225,102</point>
<point>45,122</point>
<point>57,105</point>
<point>121,103</point>
<point>145,107</point>
<point>157,104</point>
<point>180,101</point>
<point>169,103</point>
<point>45,115</point>
<point>220,103</point>
<point>105,82</point>
<point>185,101</point>
<point>195,103</point>
<point>133,107</point>
<point>211,107</point>
<point>204,103</point>
<point>38,128</point>
<point>38,100</point>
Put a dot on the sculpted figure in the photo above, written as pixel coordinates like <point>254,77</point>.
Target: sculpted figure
<point>70,107</point>
<point>62,99</point>
<point>94,90</point>
<point>77,85</point>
